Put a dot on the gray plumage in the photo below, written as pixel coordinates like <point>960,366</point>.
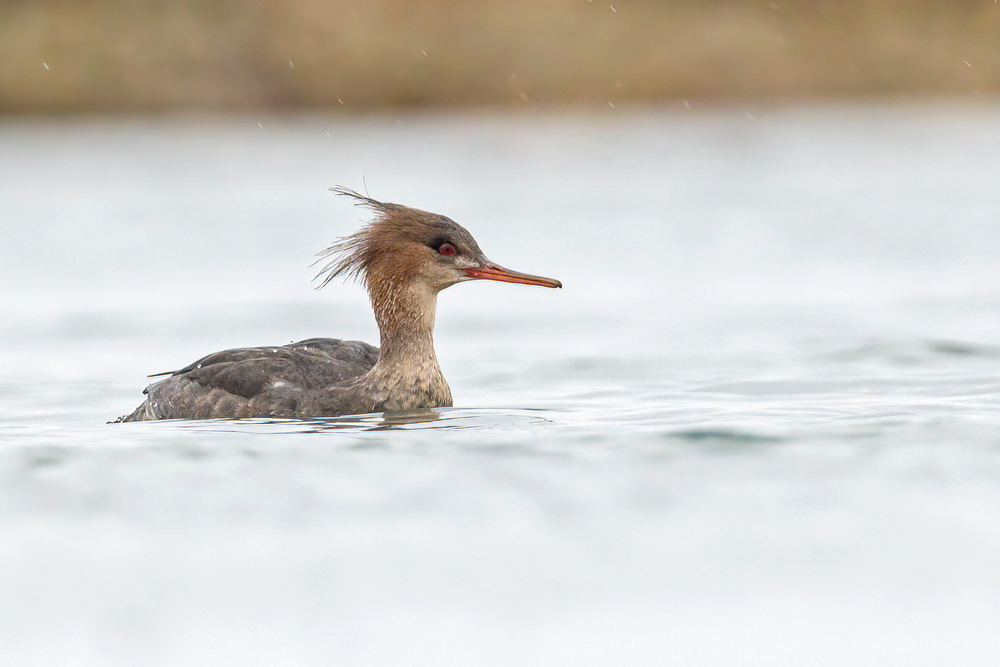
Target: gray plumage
<point>404,257</point>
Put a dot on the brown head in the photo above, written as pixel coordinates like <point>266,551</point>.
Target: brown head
<point>403,246</point>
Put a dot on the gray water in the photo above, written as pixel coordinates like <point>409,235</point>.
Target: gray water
<point>759,426</point>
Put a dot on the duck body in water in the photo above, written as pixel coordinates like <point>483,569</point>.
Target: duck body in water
<point>404,257</point>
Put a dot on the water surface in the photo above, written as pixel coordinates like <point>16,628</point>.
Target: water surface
<point>758,426</point>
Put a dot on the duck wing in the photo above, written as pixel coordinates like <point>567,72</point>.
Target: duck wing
<point>255,381</point>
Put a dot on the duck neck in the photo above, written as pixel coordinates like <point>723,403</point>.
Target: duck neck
<point>405,317</point>
<point>406,375</point>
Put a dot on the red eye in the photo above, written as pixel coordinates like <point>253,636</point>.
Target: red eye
<point>447,249</point>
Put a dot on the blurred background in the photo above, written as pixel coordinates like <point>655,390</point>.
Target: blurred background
<point>71,56</point>
<point>758,426</point>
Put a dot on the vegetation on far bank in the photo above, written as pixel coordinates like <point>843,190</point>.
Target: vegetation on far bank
<point>141,55</point>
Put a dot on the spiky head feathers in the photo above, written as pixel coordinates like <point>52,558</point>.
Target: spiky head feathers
<point>401,244</point>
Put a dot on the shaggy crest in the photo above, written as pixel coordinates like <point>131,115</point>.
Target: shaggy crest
<point>350,255</point>
<point>353,255</point>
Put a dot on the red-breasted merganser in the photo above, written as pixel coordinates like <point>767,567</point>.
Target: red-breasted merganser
<point>404,257</point>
